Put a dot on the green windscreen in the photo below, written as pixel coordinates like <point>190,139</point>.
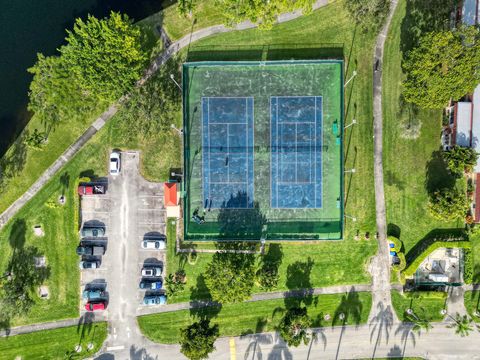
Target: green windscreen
<point>263,150</point>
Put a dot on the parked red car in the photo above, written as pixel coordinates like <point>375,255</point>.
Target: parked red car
<point>93,306</point>
<point>86,189</point>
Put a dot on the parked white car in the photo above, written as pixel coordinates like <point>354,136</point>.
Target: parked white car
<point>114,163</point>
<point>153,244</point>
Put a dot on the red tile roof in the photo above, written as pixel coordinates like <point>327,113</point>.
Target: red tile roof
<point>170,191</point>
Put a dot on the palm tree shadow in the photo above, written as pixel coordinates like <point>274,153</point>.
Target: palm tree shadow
<point>317,336</point>
<point>407,332</point>
<point>350,308</point>
<point>254,348</point>
<point>381,325</point>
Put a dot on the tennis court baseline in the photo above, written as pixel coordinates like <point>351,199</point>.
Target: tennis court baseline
<point>296,151</point>
<point>227,152</point>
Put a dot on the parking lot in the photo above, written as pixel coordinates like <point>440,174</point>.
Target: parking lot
<point>131,211</point>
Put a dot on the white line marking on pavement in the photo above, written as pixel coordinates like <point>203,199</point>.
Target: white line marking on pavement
<point>113,348</point>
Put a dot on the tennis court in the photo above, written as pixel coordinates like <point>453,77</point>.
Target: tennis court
<point>227,152</point>
<point>263,150</point>
<point>296,170</point>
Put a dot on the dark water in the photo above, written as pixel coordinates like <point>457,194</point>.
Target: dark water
<point>31,26</point>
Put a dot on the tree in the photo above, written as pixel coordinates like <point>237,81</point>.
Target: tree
<point>294,325</point>
<point>462,324</point>
<point>230,277</point>
<point>442,67</point>
<point>267,273</point>
<point>105,56</point>
<point>54,92</point>
<point>198,339</point>
<point>448,204</point>
<point>185,7</point>
<point>368,14</point>
<point>173,284</point>
<point>259,11</point>
<point>460,159</point>
<point>36,140</point>
<point>419,323</point>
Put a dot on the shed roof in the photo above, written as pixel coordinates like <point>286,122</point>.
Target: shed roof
<point>463,119</point>
<point>170,193</point>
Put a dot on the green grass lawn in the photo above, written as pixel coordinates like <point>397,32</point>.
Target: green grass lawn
<point>472,303</point>
<point>61,223</point>
<point>334,262</point>
<point>338,36</point>
<point>412,162</point>
<point>205,14</point>
<point>54,344</point>
<point>424,304</point>
<point>254,317</point>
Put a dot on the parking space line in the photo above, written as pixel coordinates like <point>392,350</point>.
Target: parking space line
<point>150,196</point>
<point>233,350</point>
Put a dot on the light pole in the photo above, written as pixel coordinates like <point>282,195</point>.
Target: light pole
<point>180,131</point>
<point>354,121</point>
<point>350,171</point>
<point>354,219</point>
<point>354,73</point>
<point>176,83</point>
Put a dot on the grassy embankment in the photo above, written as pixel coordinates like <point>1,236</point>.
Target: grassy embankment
<point>424,304</point>
<point>260,316</point>
<point>413,163</point>
<point>341,262</point>
<point>54,344</point>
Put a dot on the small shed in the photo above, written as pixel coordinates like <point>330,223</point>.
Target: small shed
<point>170,190</point>
<point>170,193</point>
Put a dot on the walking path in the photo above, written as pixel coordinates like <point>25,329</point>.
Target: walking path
<point>52,325</point>
<point>382,311</point>
<point>340,289</point>
<point>174,48</point>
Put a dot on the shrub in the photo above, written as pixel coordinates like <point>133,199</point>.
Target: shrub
<point>467,266</point>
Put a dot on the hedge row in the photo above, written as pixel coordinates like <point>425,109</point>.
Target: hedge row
<point>413,266</point>
<point>467,266</point>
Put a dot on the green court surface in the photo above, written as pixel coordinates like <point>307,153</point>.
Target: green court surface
<point>263,150</point>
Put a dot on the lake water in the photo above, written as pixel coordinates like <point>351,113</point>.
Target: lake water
<point>31,26</point>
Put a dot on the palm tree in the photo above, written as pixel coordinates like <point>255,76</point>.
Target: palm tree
<point>462,324</point>
<point>419,323</point>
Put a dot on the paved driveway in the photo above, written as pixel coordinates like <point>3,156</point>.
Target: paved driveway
<point>136,211</point>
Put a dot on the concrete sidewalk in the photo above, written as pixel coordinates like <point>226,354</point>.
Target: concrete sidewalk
<point>18,330</point>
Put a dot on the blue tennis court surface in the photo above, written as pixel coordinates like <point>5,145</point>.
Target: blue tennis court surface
<point>227,145</point>
<point>296,152</point>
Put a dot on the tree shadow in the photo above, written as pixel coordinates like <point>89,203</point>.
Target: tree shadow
<point>381,325</point>
<point>84,325</point>
<point>64,182</point>
<point>393,230</point>
<point>13,161</point>
<point>140,353</point>
<point>280,351</point>
<point>435,235</point>
<point>422,17</point>
<point>406,331</point>
<point>391,179</point>
<point>299,284</point>
<point>437,174</point>
<point>17,235</point>
<point>254,348</point>
<point>350,308</point>
<point>237,222</point>
<point>269,265</point>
